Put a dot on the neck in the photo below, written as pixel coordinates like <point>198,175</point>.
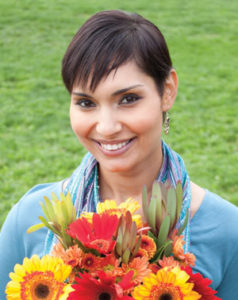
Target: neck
<point>120,186</point>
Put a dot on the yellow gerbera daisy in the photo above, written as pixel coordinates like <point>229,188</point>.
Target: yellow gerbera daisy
<point>166,284</point>
<point>110,207</point>
<point>39,279</point>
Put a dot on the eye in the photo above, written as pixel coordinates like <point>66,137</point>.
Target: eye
<point>85,103</point>
<point>129,99</point>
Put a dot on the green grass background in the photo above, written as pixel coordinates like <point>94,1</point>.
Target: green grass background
<point>36,141</point>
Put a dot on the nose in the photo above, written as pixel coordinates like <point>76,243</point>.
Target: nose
<point>108,123</point>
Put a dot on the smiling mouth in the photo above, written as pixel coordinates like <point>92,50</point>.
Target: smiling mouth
<point>114,147</point>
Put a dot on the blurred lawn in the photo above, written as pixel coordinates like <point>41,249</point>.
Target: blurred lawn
<point>36,142</point>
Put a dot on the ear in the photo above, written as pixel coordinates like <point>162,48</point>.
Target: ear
<point>170,91</point>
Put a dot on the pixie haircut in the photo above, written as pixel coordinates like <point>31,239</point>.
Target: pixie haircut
<point>110,39</point>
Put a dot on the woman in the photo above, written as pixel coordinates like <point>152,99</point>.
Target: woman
<point>119,74</point>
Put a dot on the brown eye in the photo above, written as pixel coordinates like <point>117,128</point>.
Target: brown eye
<point>129,99</point>
<point>85,103</point>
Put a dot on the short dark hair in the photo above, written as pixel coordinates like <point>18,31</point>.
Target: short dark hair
<point>109,39</point>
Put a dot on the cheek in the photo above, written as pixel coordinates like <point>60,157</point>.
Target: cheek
<point>79,124</point>
<point>147,123</point>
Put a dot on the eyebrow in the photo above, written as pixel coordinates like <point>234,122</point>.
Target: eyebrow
<point>118,92</point>
<point>121,91</point>
<point>81,94</point>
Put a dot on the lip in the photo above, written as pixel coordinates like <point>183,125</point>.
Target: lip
<point>117,152</point>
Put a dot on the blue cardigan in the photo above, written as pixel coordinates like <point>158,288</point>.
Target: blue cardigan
<point>214,238</point>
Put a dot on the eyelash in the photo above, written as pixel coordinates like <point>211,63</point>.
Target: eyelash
<point>87,104</point>
<point>131,98</point>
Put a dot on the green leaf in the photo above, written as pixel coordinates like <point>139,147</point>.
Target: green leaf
<point>70,207</point>
<point>168,248</point>
<point>126,256</point>
<point>179,199</point>
<point>133,234</point>
<point>150,234</point>
<point>45,212</point>
<point>181,229</point>
<point>137,246</point>
<point>171,205</point>
<point>152,207</point>
<point>62,197</point>
<point>125,240</point>
<point>164,230</point>
<point>66,216</point>
<point>49,226</point>
<point>118,247</point>
<point>35,227</point>
<point>158,255</point>
<point>145,203</point>
<point>54,198</point>
<point>58,213</point>
<point>158,206</point>
<point>50,209</point>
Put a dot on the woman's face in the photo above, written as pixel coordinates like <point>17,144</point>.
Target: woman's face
<point>120,122</point>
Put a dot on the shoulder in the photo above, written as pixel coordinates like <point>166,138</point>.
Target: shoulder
<point>217,209</point>
<point>216,217</point>
<point>44,189</point>
<point>26,211</point>
<point>214,237</point>
<point>206,205</point>
<point>36,194</point>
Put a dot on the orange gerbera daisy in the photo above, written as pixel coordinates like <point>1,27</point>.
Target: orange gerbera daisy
<point>178,244</point>
<point>70,256</point>
<point>148,244</point>
<point>166,284</point>
<point>168,262</point>
<point>90,262</point>
<point>142,253</point>
<point>139,266</point>
<point>110,265</point>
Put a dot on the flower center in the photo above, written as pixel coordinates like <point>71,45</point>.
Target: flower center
<point>41,285</point>
<point>144,244</point>
<point>165,297</point>
<point>166,291</point>
<point>42,291</point>
<point>104,296</point>
<point>89,262</point>
<point>100,245</point>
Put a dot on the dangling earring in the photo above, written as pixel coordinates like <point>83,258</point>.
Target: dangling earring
<point>166,122</point>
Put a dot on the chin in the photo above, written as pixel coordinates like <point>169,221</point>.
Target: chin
<point>117,168</point>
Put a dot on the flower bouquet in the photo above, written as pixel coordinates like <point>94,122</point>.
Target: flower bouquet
<point>113,253</point>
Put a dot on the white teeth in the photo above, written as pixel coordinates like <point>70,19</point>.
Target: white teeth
<point>114,146</point>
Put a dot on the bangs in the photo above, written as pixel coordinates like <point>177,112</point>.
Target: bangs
<point>102,58</point>
<point>110,39</point>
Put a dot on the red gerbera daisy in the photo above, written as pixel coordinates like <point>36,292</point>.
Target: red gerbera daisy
<point>98,235</point>
<point>88,288</point>
<point>201,285</point>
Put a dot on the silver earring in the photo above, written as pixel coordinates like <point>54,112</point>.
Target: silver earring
<point>166,122</point>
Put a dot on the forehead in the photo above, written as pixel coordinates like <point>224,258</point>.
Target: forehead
<point>128,74</point>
